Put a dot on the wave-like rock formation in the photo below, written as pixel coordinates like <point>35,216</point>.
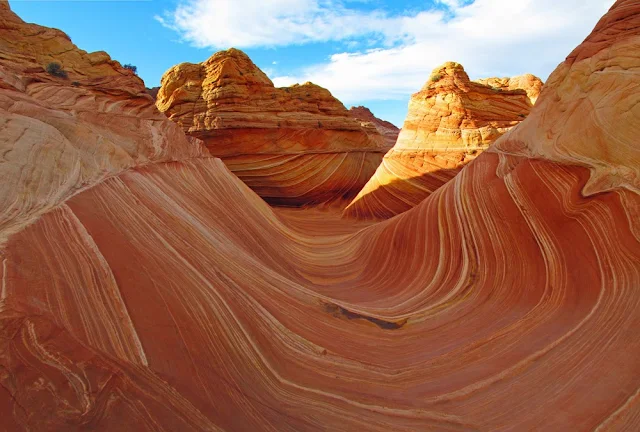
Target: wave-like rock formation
<point>62,134</point>
<point>387,129</point>
<point>450,121</point>
<point>590,116</point>
<point>293,146</point>
<point>169,296</point>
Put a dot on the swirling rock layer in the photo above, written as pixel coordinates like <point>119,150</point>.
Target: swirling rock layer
<point>450,121</point>
<point>293,146</point>
<point>61,135</point>
<point>583,121</point>
<point>171,297</point>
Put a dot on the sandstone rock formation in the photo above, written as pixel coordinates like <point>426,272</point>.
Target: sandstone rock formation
<point>293,146</point>
<point>590,116</point>
<point>387,129</point>
<point>169,296</point>
<point>527,82</point>
<point>450,121</point>
<point>452,112</point>
<point>153,92</point>
<point>61,135</point>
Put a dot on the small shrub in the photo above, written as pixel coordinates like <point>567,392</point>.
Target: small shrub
<point>319,124</point>
<point>521,115</point>
<point>131,67</point>
<point>436,77</point>
<point>75,84</point>
<point>56,70</point>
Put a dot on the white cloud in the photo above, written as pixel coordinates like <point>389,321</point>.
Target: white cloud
<point>256,23</point>
<point>489,37</point>
<point>453,3</point>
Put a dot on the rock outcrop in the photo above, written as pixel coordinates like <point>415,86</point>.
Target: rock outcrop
<point>450,121</point>
<point>293,146</point>
<point>590,115</point>
<point>64,132</point>
<point>451,112</point>
<point>527,82</point>
<point>387,129</point>
<point>153,92</point>
<point>169,296</point>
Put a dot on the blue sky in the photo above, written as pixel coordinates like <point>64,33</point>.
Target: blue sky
<point>367,52</point>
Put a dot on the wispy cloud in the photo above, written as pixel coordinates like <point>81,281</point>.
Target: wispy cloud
<point>489,37</point>
<point>267,23</point>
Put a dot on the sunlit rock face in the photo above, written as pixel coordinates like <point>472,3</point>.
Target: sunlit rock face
<point>169,296</point>
<point>450,121</point>
<point>590,116</point>
<point>527,82</point>
<point>60,135</point>
<point>293,146</point>
<point>387,129</point>
<point>452,112</point>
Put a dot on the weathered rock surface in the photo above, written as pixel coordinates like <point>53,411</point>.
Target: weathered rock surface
<point>527,82</point>
<point>153,92</point>
<point>590,116</point>
<point>387,129</point>
<point>450,121</point>
<point>293,146</point>
<point>171,297</point>
<point>452,112</point>
<point>62,135</point>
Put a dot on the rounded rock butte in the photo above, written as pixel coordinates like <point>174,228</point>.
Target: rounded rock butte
<point>144,287</point>
<point>450,122</point>
<point>293,146</point>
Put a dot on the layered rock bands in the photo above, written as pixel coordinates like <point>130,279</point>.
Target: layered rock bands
<point>450,121</point>
<point>144,287</point>
<point>293,146</point>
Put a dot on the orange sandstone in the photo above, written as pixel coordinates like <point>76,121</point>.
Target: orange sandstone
<point>168,295</point>
<point>59,135</point>
<point>295,146</point>
<point>387,129</point>
<point>450,121</point>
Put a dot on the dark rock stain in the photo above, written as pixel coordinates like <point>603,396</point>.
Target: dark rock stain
<point>341,312</point>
